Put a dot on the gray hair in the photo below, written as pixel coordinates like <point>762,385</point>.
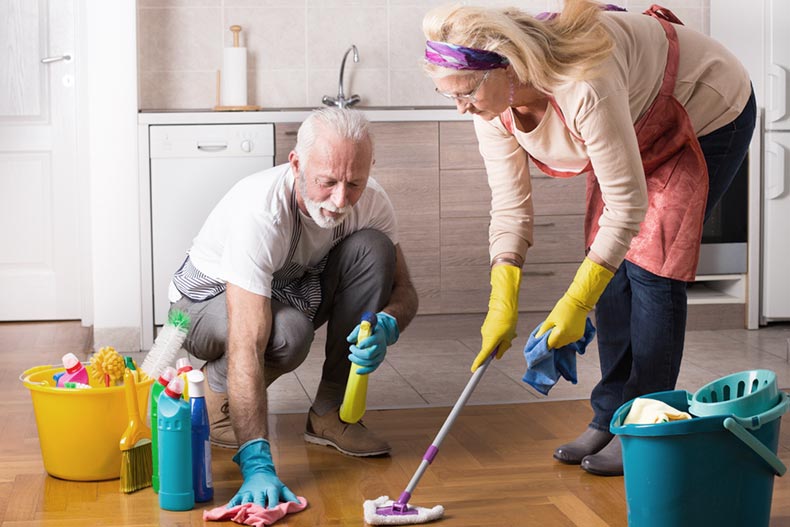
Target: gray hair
<point>340,122</point>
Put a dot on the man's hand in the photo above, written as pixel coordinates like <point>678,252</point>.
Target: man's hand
<point>261,485</point>
<point>370,352</point>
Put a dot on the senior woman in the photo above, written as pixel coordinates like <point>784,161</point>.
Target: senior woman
<point>658,117</point>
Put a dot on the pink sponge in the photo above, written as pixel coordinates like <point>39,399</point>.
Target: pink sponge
<point>255,515</point>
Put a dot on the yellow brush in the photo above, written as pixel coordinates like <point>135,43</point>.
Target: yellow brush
<point>136,467</point>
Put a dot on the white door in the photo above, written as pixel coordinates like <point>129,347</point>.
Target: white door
<point>39,242</point>
<point>776,214</point>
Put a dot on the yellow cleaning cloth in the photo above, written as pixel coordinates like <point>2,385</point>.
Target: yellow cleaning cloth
<point>649,411</point>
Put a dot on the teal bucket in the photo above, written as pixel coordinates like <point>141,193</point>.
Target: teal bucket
<point>715,470</point>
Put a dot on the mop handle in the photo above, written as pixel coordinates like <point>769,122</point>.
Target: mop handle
<point>430,454</point>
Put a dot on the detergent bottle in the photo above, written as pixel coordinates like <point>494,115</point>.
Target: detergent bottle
<point>182,368</point>
<point>168,374</point>
<point>355,398</point>
<point>202,482</point>
<point>75,371</point>
<point>174,428</point>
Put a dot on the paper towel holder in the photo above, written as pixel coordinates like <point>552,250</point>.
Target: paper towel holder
<point>235,29</point>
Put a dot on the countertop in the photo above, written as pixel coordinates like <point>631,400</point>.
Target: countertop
<point>296,115</point>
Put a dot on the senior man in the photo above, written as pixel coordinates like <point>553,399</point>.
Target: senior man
<point>286,250</point>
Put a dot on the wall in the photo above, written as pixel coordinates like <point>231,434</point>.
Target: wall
<point>295,48</point>
<point>107,143</point>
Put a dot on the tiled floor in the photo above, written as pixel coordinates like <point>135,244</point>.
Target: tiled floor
<point>429,366</point>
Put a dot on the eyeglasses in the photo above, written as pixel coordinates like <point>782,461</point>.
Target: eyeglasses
<point>465,97</point>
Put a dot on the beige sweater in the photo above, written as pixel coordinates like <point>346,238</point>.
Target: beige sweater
<point>712,85</point>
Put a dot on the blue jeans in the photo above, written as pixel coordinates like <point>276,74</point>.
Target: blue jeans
<point>641,316</point>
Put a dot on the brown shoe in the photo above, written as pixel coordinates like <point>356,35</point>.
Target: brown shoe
<point>350,439</point>
<point>220,429</point>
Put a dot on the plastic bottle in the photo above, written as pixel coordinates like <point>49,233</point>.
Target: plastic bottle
<point>202,482</point>
<point>355,398</point>
<point>175,449</point>
<point>182,368</point>
<point>75,371</point>
<point>157,388</point>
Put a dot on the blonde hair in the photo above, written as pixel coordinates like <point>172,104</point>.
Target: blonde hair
<point>543,53</point>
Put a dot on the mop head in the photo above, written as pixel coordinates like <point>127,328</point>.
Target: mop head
<point>375,516</point>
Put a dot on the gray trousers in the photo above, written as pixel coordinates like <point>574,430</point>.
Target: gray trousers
<point>358,276</point>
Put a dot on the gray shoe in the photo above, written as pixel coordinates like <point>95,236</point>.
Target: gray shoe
<point>350,439</point>
<point>607,462</point>
<point>591,441</point>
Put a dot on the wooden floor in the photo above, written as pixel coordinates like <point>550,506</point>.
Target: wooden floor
<point>494,469</point>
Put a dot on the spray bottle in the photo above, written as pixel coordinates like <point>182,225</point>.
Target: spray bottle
<point>174,428</point>
<point>182,368</point>
<point>202,482</point>
<point>355,398</point>
<point>75,371</point>
<point>168,374</point>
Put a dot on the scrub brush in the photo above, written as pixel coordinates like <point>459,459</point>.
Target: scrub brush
<point>135,444</point>
<point>107,366</point>
<point>167,344</point>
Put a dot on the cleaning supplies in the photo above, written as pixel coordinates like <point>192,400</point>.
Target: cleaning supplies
<point>135,442</point>
<point>355,398</point>
<point>75,371</point>
<point>167,344</point>
<point>174,431</point>
<point>202,482</point>
<point>107,366</point>
<point>157,388</point>
<point>182,368</point>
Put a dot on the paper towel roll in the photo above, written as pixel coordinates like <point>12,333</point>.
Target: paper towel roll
<point>233,88</point>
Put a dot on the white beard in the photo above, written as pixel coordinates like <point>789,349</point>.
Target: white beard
<point>314,208</point>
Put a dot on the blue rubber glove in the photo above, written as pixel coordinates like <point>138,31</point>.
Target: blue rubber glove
<point>369,353</point>
<point>261,484</point>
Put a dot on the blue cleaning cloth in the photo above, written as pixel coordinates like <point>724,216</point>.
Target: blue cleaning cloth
<point>544,365</point>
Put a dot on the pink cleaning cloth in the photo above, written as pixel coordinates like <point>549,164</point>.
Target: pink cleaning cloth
<point>255,515</point>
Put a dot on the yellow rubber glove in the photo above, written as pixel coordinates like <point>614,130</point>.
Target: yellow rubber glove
<point>499,327</point>
<point>566,320</point>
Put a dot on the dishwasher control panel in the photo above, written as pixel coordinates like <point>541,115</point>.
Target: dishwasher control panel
<point>216,140</point>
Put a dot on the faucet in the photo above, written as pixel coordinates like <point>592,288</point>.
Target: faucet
<point>341,101</point>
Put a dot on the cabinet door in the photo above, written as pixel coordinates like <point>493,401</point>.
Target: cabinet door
<point>284,141</point>
<point>407,166</point>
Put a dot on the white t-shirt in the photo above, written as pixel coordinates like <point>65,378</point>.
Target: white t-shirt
<point>249,234</point>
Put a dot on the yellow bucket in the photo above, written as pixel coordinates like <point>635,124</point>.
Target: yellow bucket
<point>79,430</point>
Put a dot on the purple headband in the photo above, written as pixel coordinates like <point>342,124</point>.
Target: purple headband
<point>462,58</point>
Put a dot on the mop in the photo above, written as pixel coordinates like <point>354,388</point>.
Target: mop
<point>384,511</point>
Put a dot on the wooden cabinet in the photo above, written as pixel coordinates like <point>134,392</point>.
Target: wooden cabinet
<point>558,233</point>
<point>407,166</point>
<point>434,175</point>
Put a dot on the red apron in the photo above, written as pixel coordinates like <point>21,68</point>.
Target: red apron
<point>669,239</point>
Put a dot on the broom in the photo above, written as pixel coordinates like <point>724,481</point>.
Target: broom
<point>135,444</point>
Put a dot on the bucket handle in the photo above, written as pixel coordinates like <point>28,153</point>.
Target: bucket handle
<point>23,377</point>
<point>738,427</point>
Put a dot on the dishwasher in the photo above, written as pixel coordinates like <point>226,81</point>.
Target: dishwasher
<point>191,168</point>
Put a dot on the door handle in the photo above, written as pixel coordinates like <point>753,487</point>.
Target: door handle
<point>212,147</point>
<point>775,179</point>
<point>58,58</point>
<point>779,96</point>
